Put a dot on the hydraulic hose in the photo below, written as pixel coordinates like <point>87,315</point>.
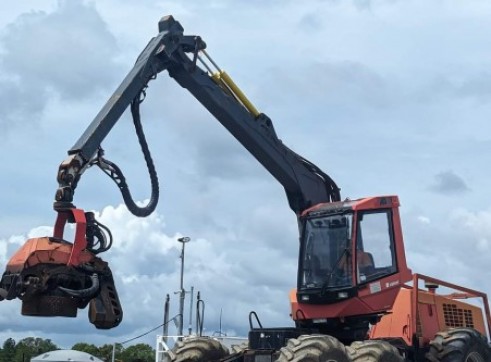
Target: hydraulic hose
<point>115,173</point>
<point>142,211</point>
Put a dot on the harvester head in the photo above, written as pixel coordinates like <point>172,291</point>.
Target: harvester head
<point>54,277</point>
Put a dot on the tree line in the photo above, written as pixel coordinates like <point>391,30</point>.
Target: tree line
<point>27,348</point>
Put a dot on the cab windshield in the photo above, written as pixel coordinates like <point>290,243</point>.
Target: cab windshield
<point>326,258</point>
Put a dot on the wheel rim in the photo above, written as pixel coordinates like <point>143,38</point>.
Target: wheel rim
<point>474,357</point>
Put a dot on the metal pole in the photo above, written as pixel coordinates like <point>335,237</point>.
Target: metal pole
<point>166,318</point>
<point>190,328</point>
<point>182,240</point>
<point>198,316</point>
<point>183,294</point>
<point>114,352</point>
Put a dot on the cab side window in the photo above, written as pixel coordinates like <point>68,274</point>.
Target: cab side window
<point>375,246</point>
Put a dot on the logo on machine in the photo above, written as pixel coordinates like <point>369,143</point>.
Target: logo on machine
<point>391,284</point>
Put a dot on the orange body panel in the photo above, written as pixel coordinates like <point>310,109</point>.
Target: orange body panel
<point>434,313</point>
<point>377,303</point>
<point>349,307</point>
<point>43,250</point>
<point>398,322</point>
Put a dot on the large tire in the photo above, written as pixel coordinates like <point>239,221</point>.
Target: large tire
<point>313,348</point>
<point>374,351</point>
<point>459,345</point>
<point>198,349</point>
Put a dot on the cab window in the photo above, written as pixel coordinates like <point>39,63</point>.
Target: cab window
<point>375,255</point>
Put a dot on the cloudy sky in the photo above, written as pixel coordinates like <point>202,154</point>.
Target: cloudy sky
<point>386,96</point>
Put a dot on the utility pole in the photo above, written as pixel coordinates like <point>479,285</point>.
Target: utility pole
<point>182,292</point>
<point>114,352</point>
<point>190,327</point>
<point>165,330</point>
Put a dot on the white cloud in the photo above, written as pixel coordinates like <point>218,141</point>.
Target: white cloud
<point>424,220</point>
<point>478,224</point>
<point>3,251</point>
<point>60,42</point>
<point>67,53</point>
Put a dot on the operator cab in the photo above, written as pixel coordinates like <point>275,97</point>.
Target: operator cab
<point>346,246</point>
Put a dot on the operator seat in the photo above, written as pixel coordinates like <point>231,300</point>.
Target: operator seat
<point>366,264</point>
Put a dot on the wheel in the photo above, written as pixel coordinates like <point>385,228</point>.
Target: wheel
<point>198,349</point>
<point>374,351</point>
<point>313,348</point>
<point>459,345</point>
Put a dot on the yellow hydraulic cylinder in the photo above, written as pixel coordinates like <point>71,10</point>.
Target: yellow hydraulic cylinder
<point>225,78</point>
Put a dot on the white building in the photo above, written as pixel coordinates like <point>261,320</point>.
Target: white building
<point>65,355</point>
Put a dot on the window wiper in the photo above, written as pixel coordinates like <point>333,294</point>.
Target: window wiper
<point>346,252</point>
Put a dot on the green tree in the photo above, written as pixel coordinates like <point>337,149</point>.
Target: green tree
<point>23,353</point>
<point>138,353</point>
<point>8,350</point>
<point>30,347</point>
<point>87,348</point>
<point>106,352</point>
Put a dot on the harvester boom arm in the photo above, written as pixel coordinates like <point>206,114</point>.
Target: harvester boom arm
<point>304,183</point>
